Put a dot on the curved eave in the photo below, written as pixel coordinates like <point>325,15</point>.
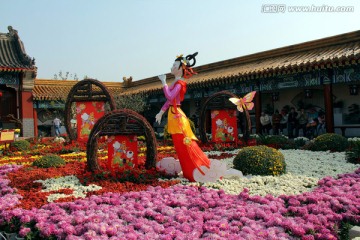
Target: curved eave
<point>11,69</point>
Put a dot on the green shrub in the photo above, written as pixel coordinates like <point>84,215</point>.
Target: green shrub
<point>300,142</point>
<point>260,160</point>
<point>353,154</point>
<point>330,142</point>
<point>21,145</point>
<point>276,141</point>
<point>48,161</point>
<point>353,141</point>
<point>289,145</point>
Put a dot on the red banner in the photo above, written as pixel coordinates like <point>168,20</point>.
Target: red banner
<point>224,125</point>
<point>122,150</point>
<point>87,113</point>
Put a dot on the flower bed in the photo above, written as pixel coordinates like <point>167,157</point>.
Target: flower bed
<point>311,201</point>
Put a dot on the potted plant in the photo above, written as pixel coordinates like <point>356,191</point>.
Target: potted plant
<point>17,133</point>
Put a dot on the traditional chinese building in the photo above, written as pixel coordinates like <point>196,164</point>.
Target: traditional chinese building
<point>317,75</point>
<point>17,75</point>
<point>49,97</point>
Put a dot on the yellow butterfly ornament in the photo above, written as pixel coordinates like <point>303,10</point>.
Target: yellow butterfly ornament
<point>244,103</point>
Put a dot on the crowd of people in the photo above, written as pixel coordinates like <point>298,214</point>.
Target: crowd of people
<point>293,123</point>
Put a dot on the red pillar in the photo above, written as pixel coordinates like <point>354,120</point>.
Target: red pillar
<point>258,111</point>
<point>35,123</point>
<point>27,113</point>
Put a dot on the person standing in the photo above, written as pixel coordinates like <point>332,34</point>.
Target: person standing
<point>303,120</point>
<point>292,122</point>
<point>57,124</point>
<point>321,125</point>
<point>276,118</point>
<point>283,121</point>
<point>265,123</point>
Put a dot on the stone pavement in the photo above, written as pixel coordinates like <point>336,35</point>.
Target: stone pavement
<point>354,232</point>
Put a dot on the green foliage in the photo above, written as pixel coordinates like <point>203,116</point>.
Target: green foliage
<point>260,160</point>
<point>276,141</point>
<point>48,161</point>
<point>12,226</point>
<point>300,142</point>
<point>141,138</point>
<point>288,145</point>
<point>343,230</point>
<point>21,145</point>
<point>135,102</point>
<point>353,154</point>
<point>61,76</point>
<point>330,142</point>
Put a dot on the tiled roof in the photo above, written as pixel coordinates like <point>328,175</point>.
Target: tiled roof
<point>323,53</point>
<point>13,57</point>
<point>46,89</point>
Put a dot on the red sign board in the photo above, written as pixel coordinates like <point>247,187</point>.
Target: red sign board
<point>122,151</point>
<point>224,125</point>
<point>87,113</point>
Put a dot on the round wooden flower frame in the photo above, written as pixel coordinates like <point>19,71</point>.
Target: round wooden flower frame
<point>121,122</point>
<point>219,101</point>
<point>85,91</point>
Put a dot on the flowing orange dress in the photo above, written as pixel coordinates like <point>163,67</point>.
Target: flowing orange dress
<point>190,155</point>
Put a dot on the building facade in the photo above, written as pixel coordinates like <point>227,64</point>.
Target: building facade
<point>320,76</point>
<point>17,75</point>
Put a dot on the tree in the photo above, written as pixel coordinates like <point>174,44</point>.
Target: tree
<point>135,102</point>
<point>67,75</point>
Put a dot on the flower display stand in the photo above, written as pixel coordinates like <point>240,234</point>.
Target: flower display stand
<point>89,97</point>
<point>7,136</point>
<point>122,126</point>
<point>224,125</point>
<point>122,150</point>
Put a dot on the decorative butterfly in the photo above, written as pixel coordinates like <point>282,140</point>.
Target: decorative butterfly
<point>245,102</point>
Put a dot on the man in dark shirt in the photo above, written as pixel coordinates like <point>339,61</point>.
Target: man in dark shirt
<point>292,122</point>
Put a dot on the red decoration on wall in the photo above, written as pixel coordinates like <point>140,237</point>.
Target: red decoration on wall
<point>87,113</point>
<point>122,151</point>
<point>224,125</point>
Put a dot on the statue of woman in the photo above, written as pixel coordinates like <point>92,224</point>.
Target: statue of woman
<point>194,163</point>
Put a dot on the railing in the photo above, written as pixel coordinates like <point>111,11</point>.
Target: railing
<point>344,127</point>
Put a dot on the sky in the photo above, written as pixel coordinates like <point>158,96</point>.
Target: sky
<point>111,39</point>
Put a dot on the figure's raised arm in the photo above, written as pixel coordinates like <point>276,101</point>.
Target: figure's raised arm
<point>162,79</point>
<point>171,94</point>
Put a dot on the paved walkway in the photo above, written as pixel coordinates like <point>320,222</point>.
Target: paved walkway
<point>354,232</point>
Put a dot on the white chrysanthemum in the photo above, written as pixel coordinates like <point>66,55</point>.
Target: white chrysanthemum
<point>304,170</point>
<point>67,182</point>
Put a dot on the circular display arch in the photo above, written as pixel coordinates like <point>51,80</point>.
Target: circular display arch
<point>85,91</point>
<point>218,101</point>
<point>121,122</point>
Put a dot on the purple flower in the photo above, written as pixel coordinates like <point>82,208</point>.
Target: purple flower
<point>24,231</point>
<point>68,229</point>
